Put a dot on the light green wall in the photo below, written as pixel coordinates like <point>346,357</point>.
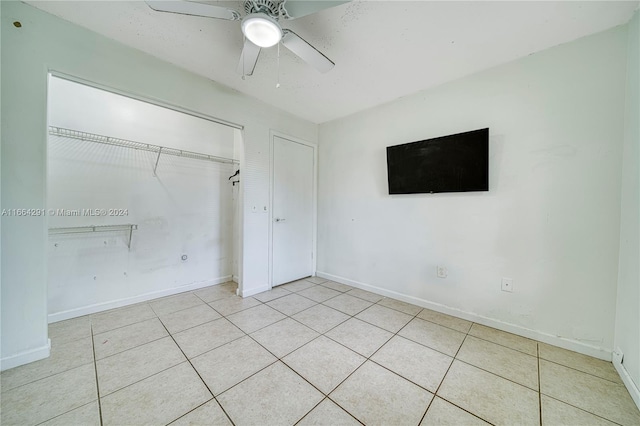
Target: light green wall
<point>48,43</point>
<point>550,220</point>
<point>628,307</point>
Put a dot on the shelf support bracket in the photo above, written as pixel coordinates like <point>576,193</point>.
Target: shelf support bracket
<point>155,167</point>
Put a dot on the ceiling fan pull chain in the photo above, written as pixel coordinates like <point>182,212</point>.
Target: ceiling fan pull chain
<point>278,76</point>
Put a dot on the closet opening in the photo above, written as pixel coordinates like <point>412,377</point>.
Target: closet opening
<point>143,200</point>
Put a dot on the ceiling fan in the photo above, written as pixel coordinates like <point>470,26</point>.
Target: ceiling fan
<point>260,26</point>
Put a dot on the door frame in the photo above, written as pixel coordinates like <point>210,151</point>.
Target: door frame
<point>314,213</point>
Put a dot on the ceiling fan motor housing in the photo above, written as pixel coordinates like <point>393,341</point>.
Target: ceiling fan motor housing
<point>269,7</point>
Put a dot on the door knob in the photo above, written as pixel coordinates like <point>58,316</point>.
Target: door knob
<point>277,219</point>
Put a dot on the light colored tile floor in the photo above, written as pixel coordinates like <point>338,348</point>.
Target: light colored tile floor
<point>314,352</point>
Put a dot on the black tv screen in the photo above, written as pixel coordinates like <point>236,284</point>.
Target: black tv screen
<point>454,163</point>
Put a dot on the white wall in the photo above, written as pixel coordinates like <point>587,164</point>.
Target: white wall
<point>627,329</point>
<point>551,217</point>
<point>187,208</point>
<point>48,43</point>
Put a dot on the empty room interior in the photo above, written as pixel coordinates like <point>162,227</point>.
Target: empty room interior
<point>297,212</point>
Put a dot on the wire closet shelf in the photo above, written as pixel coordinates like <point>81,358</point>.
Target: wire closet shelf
<point>157,149</point>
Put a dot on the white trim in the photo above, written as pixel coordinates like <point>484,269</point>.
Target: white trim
<point>314,207</point>
<point>26,357</point>
<point>146,99</point>
<point>572,345</point>
<point>99,307</point>
<point>618,363</point>
<point>252,291</point>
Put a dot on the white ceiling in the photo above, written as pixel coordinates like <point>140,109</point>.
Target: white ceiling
<point>383,50</point>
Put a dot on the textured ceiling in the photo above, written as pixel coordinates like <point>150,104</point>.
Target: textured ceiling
<point>383,50</point>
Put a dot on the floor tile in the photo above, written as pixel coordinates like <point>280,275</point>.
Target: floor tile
<point>336,286</point>
<point>269,295</point>
<point>324,363</point>
<point>276,393</point>
<point>125,368</point>
<point>407,308</point>
<point>590,393</point>
<point>178,302</point>
<point>208,413</point>
<point>120,317</point>
<point>490,397</point>
<point>360,336</point>
<point>376,396</point>
<point>64,356</point>
<point>187,318</point>
<point>234,304</point>
<point>445,320</point>
<point>255,318</point>
<point>69,330</point>
<point>127,337</point>
<point>505,362</point>
<point>229,364</point>
<point>348,304</point>
<point>327,413</point>
<point>584,363</point>
<point>443,413</point>
<point>320,318</point>
<point>388,319</point>
<point>442,339</point>
<point>291,304</point>
<point>284,336</point>
<point>87,415</point>
<point>205,337</point>
<point>44,399</point>
<point>217,292</point>
<point>415,362</point>
<point>319,293</point>
<point>503,338</point>
<point>555,412</point>
<point>299,285</point>
<point>366,295</point>
<point>153,400</point>
<point>316,280</point>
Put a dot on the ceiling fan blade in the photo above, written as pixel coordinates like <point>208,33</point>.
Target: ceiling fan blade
<point>307,52</point>
<point>248,58</point>
<point>194,9</point>
<point>298,8</point>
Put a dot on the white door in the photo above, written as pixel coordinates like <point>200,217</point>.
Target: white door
<point>292,235</point>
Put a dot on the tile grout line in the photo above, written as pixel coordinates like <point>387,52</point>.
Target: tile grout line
<point>201,379</point>
<point>95,369</point>
<point>368,359</point>
<point>539,386</point>
<point>582,409</point>
<point>455,358</point>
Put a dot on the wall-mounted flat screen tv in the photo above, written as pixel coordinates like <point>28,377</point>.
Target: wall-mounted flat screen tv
<point>454,163</point>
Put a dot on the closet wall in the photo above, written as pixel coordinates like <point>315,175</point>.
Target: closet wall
<point>183,214</point>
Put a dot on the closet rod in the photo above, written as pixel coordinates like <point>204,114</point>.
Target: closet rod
<point>108,140</point>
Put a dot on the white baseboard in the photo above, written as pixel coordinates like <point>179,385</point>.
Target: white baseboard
<point>632,387</point>
<point>26,357</point>
<point>572,345</point>
<point>103,306</point>
<point>235,279</point>
<point>251,291</point>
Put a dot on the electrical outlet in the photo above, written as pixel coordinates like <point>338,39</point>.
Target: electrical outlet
<point>507,284</point>
<point>441,271</point>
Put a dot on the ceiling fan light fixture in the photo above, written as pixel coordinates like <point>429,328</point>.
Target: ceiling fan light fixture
<point>261,29</point>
